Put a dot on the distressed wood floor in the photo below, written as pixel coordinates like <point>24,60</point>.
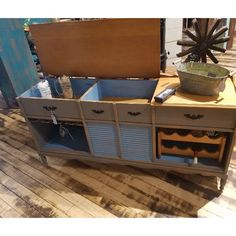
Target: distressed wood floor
<point>70,188</point>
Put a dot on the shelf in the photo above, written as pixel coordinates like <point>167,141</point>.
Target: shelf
<point>191,138</point>
<point>186,161</point>
<point>189,152</point>
<point>187,142</point>
<point>57,147</point>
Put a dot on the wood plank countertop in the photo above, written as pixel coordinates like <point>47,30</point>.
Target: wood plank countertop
<point>225,99</point>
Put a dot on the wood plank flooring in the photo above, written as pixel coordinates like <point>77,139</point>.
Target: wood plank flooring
<point>70,188</point>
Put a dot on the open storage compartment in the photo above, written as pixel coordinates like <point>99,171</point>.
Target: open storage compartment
<point>132,99</point>
<point>36,105</point>
<point>191,146</point>
<point>62,137</point>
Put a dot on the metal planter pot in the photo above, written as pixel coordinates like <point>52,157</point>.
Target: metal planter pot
<point>202,78</point>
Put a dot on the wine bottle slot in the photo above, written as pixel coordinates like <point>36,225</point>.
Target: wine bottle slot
<point>183,132</point>
<point>211,148</point>
<point>213,134</point>
<point>168,144</point>
<point>193,146</point>
<point>177,144</point>
<point>197,147</point>
<point>197,133</point>
<point>168,131</point>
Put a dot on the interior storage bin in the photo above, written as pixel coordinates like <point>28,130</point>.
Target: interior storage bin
<point>104,139</point>
<point>63,137</point>
<point>131,97</point>
<point>136,142</point>
<point>36,105</point>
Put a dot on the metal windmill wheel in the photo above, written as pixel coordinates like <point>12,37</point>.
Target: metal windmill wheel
<point>203,42</point>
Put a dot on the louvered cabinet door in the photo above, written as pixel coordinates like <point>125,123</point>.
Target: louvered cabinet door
<point>104,139</point>
<point>136,142</point>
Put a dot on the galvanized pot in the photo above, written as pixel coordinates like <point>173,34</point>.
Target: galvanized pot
<point>202,78</point>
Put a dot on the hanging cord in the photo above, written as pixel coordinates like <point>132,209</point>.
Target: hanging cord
<point>63,131</point>
<point>55,87</point>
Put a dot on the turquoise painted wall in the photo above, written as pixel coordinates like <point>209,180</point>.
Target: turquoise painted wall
<point>17,70</point>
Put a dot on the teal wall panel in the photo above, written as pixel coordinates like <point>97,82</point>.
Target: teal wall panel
<point>20,71</point>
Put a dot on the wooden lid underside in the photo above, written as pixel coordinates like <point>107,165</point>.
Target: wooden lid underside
<point>109,48</point>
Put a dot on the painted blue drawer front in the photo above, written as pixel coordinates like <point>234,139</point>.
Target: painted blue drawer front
<point>136,142</point>
<point>104,139</point>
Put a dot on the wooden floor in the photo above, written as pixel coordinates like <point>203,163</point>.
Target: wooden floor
<point>69,188</point>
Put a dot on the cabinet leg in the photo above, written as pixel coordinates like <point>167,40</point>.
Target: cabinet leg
<point>223,182</point>
<point>43,159</point>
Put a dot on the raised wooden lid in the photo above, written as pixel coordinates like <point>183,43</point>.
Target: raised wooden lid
<point>109,48</point>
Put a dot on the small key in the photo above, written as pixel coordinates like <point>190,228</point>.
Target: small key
<point>54,119</point>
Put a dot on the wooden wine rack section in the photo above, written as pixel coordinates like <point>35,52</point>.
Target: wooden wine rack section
<point>174,136</point>
<point>189,152</point>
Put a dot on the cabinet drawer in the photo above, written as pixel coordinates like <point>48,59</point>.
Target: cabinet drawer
<point>41,108</point>
<point>98,102</point>
<point>97,111</point>
<point>203,117</point>
<point>140,113</point>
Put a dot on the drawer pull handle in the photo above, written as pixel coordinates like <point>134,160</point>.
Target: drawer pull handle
<point>98,111</point>
<point>49,108</point>
<point>134,113</point>
<point>193,117</point>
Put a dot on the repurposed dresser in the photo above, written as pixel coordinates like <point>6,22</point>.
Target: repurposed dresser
<point>115,120</point>
<point>118,121</point>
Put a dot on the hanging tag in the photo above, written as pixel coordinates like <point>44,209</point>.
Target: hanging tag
<point>62,131</point>
<point>54,120</point>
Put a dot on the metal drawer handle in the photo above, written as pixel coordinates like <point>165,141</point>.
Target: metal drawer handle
<point>193,117</point>
<point>134,113</point>
<point>98,111</point>
<point>49,108</point>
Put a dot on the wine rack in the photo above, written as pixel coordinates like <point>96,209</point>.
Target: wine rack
<point>192,143</point>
